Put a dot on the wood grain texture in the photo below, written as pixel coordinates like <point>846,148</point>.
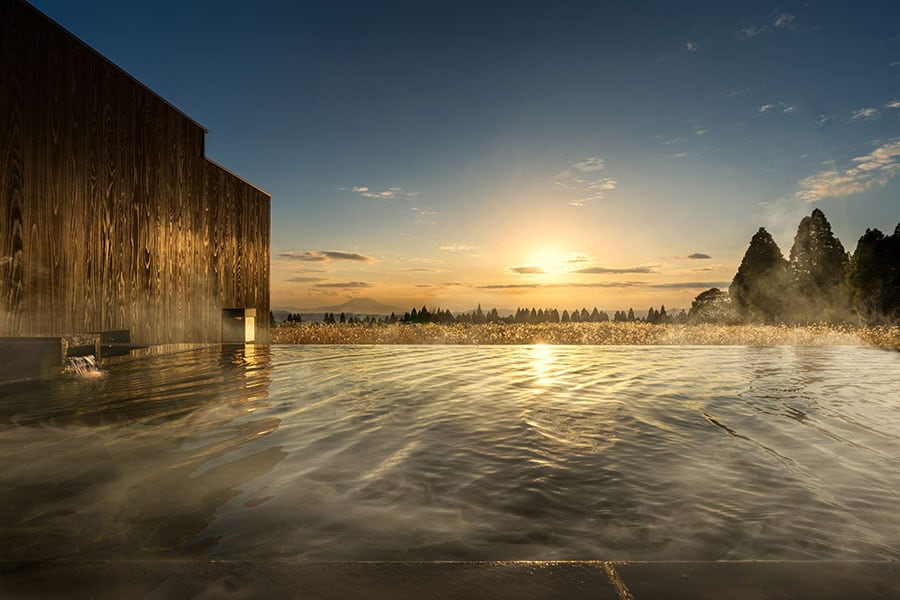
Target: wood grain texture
<point>110,215</point>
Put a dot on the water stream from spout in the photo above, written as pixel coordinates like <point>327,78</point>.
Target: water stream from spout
<point>84,366</point>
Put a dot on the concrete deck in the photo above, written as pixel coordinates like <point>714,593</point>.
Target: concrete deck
<point>496,580</point>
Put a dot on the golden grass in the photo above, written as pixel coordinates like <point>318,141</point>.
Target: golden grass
<point>590,333</point>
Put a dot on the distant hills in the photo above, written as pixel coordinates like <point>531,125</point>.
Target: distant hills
<point>354,306</point>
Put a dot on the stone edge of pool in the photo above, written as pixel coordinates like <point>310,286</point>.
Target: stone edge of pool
<point>616,580</point>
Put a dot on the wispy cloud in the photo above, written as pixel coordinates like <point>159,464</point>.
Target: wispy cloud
<point>305,279</point>
<point>778,20</point>
<point>325,255</point>
<point>580,258</point>
<point>784,107</point>
<point>345,285</point>
<point>425,216</point>
<point>703,269</point>
<point>734,93</point>
<point>456,247</point>
<point>389,193</point>
<point>875,168</point>
<point>527,270</point>
<point>824,119</point>
<point>692,46</point>
<point>680,285</point>
<point>608,270</point>
<point>690,285</point>
<point>752,31</point>
<point>590,164</point>
<point>865,114</point>
<point>581,178</point>
<point>699,255</point>
<point>782,20</point>
<point>892,104</point>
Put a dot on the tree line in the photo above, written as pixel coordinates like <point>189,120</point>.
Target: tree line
<point>819,281</point>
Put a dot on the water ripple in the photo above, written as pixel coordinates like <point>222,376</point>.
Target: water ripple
<point>448,452</point>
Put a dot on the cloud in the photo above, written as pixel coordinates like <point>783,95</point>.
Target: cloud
<point>699,255</point>
<point>389,193</point>
<point>783,20</point>
<point>892,104</point>
<point>305,279</point>
<point>692,46</point>
<point>589,188</point>
<point>456,247</point>
<point>753,31</point>
<point>607,271</point>
<point>325,255</point>
<point>865,114</point>
<point>678,285</point>
<point>779,20</point>
<point>355,256</point>
<point>875,168</point>
<point>824,119</point>
<point>786,108</point>
<point>703,269</point>
<point>527,270</point>
<point>425,216</point>
<point>345,285</point>
<point>690,285</point>
<point>590,164</point>
<point>513,286</point>
<point>578,259</point>
<point>700,130</point>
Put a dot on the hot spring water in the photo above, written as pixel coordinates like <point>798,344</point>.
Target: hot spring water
<point>459,452</point>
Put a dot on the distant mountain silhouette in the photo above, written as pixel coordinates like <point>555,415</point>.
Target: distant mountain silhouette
<point>358,306</point>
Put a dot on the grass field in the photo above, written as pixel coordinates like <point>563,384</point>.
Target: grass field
<point>589,333</point>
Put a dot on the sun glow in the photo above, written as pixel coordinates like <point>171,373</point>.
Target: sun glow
<point>550,262</point>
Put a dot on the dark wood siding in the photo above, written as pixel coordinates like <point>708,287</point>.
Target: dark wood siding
<point>110,216</point>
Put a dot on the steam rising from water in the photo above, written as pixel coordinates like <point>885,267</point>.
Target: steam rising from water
<point>436,452</point>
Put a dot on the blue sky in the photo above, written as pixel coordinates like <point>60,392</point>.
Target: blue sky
<point>608,154</point>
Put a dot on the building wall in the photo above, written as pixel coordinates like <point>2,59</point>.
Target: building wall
<point>110,215</point>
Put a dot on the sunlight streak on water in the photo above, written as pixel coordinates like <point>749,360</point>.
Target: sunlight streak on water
<point>449,452</point>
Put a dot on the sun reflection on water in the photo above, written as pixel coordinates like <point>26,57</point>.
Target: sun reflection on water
<point>543,359</point>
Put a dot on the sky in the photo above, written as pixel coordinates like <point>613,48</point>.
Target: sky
<point>534,154</point>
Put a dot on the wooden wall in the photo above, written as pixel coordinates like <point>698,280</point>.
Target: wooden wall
<point>110,216</point>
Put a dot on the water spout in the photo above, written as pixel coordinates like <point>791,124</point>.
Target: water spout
<point>84,366</point>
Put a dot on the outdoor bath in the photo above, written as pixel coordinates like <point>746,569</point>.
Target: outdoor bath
<point>435,453</point>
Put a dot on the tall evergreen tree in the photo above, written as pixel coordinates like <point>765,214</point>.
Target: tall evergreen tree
<point>759,287</point>
<point>817,262</point>
<point>873,277</point>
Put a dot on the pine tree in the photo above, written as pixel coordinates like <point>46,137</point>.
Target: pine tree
<point>817,262</point>
<point>873,277</point>
<point>761,283</point>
